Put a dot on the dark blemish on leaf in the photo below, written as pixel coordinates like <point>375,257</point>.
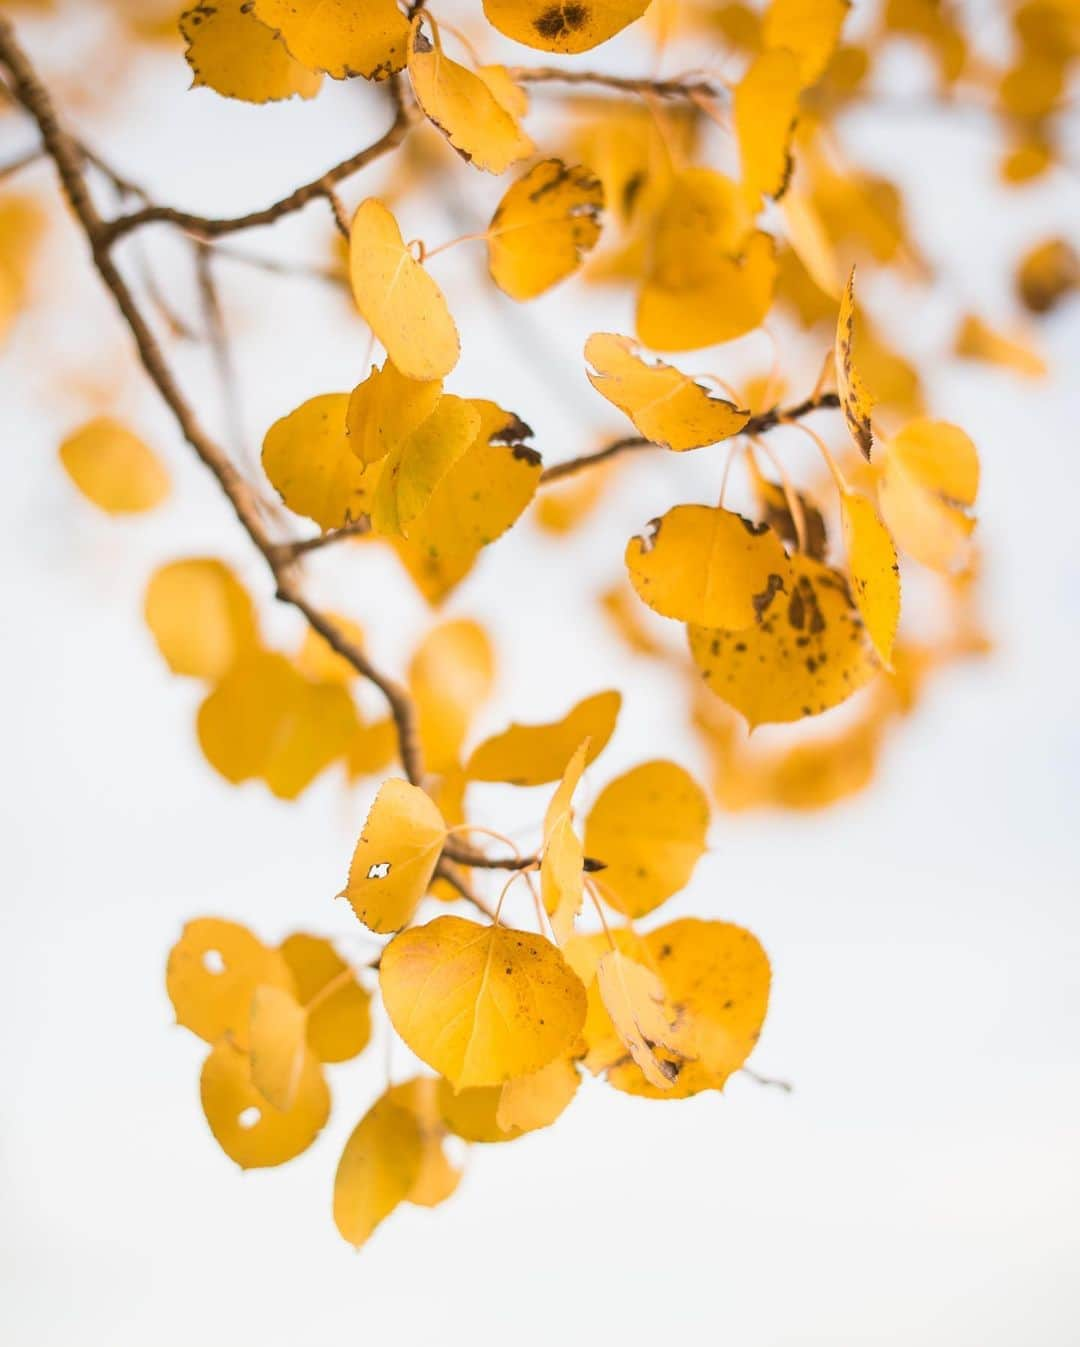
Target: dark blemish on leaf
<point>664,952</point>
<point>755,530</point>
<point>513,432</point>
<point>647,540</point>
<point>740,647</point>
<point>592,865</point>
<point>560,176</point>
<point>421,43</point>
<point>775,585</point>
<point>560,19</point>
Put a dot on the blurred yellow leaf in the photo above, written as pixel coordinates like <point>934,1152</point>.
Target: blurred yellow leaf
<point>530,1102</point>
<point>278,1047</point>
<point>113,468</point>
<point>977,340</point>
<point>437,1178</point>
<point>337,1008</point>
<point>480,1004</point>
<point>855,400</point>
<point>531,755</point>
<point>875,575</point>
<point>200,616</point>
<point>708,566</point>
<point>765,106</point>
<point>451,675</point>
<point>378,1168</point>
<point>472,1114</point>
<point>562,864</point>
<point>929,481</point>
<point>318,660</point>
<point>543,227</point>
<point>395,857</point>
<point>808,28</point>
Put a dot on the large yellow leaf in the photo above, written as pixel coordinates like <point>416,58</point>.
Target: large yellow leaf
<point>648,827</point>
<point>766,105</point>
<point>248,1128</point>
<point>201,617</point>
<point>855,400</point>
<point>731,297</point>
<point>665,405</point>
<point>463,107</point>
<point>410,473</point>
<point>378,1168</point>
<point>451,676</point>
<point>395,857</point>
<point>532,755</point>
<point>807,653</point>
<point>337,1008</point>
<point>543,227</point>
<point>278,1048</point>
<point>634,998</point>
<point>717,975</point>
<point>397,298</point>
<point>875,575</point>
<point>212,974</point>
<point>808,28</point>
<point>230,51</point>
<point>563,863</point>
<point>568,27</point>
<point>480,1004</point>
<point>481,496</point>
<point>529,1102</point>
<point>708,566</point>
<point>308,459</point>
<point>386,409</point>
<point>113,468</point>
<point>929,481</point>
<point>264,720</point>
<point>341,37</point>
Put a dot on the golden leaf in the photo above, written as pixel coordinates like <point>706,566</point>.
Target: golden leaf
<point>532,755</point>
<point>875,575</point>
<point>339,37</point>
<point>231,52</point>
<point>308,459</point>
<point>855,400</point>
<point>563,27</point>
<point>200,616</point>
<point>113,468</point>
<point>766,105</point>
<point>562,864</point>
<point>543,227</point>
<point>337,1008</point>
<point>386,409</point>
<point>395,857</point>
<point>378,1168</point>
<point>451,676</point>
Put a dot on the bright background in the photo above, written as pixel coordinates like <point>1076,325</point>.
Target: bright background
<point>921,1185</point>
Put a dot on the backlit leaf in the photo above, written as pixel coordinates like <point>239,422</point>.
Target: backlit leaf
<point>395,857</point>
<point>634,998</point>
<point>411,472</point>
<point>929,481</point>
<point>530,1102</point>
<point>875,575</point>
<point>665,405</point>
<point>562,865</point>
<point>309,461</point>
<point>386,409</point>
<point>230,51</point>
<point>480,1004</point>
<point>855,400</point>
<point>648,826</point>
<point>378,1168</point>
<point>437,1178</point>
<point>531,755</point>
<point>708,566</point>
<point>451,676</point>
<point>113,468</point>
<point>339,37</point>
<point>473,1114</point>
<point>201,617</point>
<point>337,1008</point>
<point>278,1045</point>
<point>808,28</point>
<point>766,104</point>
<point>398,299</point>
<point>543,227</point>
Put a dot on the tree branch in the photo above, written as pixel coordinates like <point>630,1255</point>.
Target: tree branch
<point>675,88</point>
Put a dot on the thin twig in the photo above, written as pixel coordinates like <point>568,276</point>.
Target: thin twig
<point>674,88</point>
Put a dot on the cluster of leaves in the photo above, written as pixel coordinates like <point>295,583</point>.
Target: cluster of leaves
<point>780,625</point>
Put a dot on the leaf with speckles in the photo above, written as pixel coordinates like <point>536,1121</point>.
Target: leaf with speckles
<point>532,755</point>
<point>340,37</point>
<point>395,857</point>
<point>872,566</point>
<point>566,26</point>
<point>234,54</point>
<point>855,399</point>
<point>543,227</point>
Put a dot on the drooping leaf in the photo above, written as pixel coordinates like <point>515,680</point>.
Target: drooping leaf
<point>855,400</point>
<point>437,1178</point>
<point>563,860</point>
<point>708,566</point>
<point>532,755</point>
<point>231,52</point>
<point>543,227</point>
<point>378,1168</point>
<point>666,406</point>
<point>766,105</point>
<point>395,857</point>
<point>875,575</point>
<point>648,827</point>
<point>339,37</point>
<point>480,1004</point>
<point>928,484</point>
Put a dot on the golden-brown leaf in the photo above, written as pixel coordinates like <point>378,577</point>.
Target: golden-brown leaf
<point>532,755</point>
<point>543,227</point>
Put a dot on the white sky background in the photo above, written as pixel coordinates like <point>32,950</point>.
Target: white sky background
<point>922,1183</point>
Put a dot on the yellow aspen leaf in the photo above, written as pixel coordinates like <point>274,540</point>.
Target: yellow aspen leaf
<point>568,27</point>
<point>703,216</point>
<point>410,473</point>
<point>648,826</point>
<point>337,1008</point>
<point>562,865</point>
<point>809,240</point>
<point>807,653</point>
<point>380,1164</point>
<point>386,409</point>
<point>566,505</point>
<point>543,227</point>
<point>875,575</point>
<point>776,511</point>
<point>318,660</point>
<point>599,1046</point>
<point>765,109</point>
<point>451,675</point>
<point>472,1114</point>
<point>373,748</point>
<point>532,755</point>
<point>234,54</point>
<point>462,105</point>
<point>482,495</point>
<point>397,298</point>
<point>634,998</point>
<point>855,400</point>
<point>665,405</point>
<point>395,857</point>
<point>437,1178</point>
<point>718,976</point>
<point>929,481</point>
<point>530,1102</point>
<point>250,1130</point>
<point>308,459</point>
<point>212,973</point>
<point>480,1004</point>
<point>1047,274</point>
<point>808,28</point>
<point>731,298</point>
<point>708,566</point>
<point>976,340</point>
<point>340,37</point>
<point>626,616</point>
<point>264,720</point>
<point>113,468</point>
<point>200,616</point>
<point>277,1045</point>
<point>22,225</point>
<point>511,97</point>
